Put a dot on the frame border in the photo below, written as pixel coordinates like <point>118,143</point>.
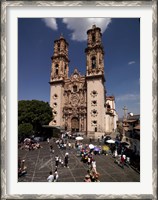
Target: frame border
<point>3,125</point>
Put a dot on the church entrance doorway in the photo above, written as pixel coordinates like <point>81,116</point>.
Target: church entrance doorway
<point>75,124</point>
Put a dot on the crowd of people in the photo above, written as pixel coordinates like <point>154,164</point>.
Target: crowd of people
<point>30,144</point>
<point>62,144</point>
<point>87,154</point>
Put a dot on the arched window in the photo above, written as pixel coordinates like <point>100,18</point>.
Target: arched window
<point>56,69</point>
<point>74,88</point>
<point>65,69</point>
<point>93,38</point>
<point>93,62</point>
<point>108,107</point>
<point>58,46</point>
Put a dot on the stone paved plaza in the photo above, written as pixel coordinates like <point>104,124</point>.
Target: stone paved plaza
<point>40,162</point>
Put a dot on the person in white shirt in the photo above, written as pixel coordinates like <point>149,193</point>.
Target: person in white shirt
<point>93,165</point>
<point>50,177</point>
<point>56,176</point>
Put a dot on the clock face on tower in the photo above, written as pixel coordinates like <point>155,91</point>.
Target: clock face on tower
<point>75,75</point>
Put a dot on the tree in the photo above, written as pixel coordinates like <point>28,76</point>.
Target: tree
<point>34,112</point>
<point>25,130</point>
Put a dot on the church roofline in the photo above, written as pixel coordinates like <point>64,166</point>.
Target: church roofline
<point>61,38</point>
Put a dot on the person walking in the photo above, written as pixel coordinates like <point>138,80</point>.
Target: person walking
<point>93,163</point>
<point>122,162</point>
<point>56,161</point>
<point>62,163</point>
<point>89,161</point>
<point>69,145</point>
<point>66,160</point>
<point>56,176</point>
<point>50,177</point>
<point>51,149</point>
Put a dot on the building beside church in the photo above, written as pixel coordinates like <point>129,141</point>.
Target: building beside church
<point>79,102</point>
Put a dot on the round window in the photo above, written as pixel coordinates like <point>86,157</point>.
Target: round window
<point>55,104</point>
<point>94,93</point>
<point>55,112</point>
<point>55,96</point>
<point>94,111</point>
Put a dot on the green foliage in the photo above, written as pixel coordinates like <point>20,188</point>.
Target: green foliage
<point>25,130</point>
<point>34,112</point>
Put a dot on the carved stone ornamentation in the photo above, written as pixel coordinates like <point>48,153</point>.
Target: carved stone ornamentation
<point>78,101</point>
<point>74,100</point>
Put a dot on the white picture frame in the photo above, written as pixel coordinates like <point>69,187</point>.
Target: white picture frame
<point>6,7</point>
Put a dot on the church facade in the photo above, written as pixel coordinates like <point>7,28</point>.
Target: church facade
<point>79,102</point>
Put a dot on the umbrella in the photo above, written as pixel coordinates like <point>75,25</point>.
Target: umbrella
<point>79,138</point>
<point>96,149</point>
<point>110,141</point>
<point>105,148</point>
<point>91,146</point>
<point>27,140</point>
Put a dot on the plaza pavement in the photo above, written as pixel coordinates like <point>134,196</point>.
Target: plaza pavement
<point>40,162</point>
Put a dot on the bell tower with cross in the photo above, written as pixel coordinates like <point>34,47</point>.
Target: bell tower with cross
<point>60,60</point>
<point>94,52</point>
<point>95,81</point>
<point>59,73</point>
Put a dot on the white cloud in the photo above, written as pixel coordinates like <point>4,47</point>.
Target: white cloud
<point>128,97</point>
<point>80,26</point>
<point>131,62</point>
<point>51,23</point>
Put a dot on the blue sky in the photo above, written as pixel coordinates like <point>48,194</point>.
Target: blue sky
<point>121,41</point>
